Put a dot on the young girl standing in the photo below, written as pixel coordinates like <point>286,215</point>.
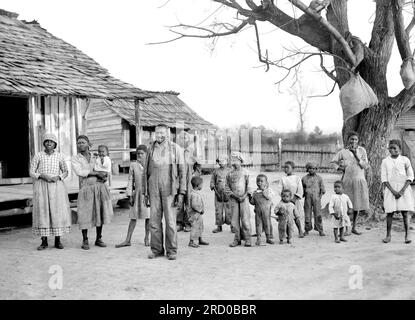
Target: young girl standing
<point>396,176</point>
<point>138,207</point>
<point>51,211</point>
<point>293,183</point>
<point>339,207</point>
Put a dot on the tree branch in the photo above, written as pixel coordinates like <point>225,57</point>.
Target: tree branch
<point>333,31</point>
<point>402,39</point>
<point>210,33</point>
<point>261,59</point>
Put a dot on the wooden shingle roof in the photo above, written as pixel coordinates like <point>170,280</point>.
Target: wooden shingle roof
<point>34,62</point>
<point>162,107</point>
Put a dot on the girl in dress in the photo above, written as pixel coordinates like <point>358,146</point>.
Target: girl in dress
<point>293,183</point>
<point>51,211</point>
<point>396,175</point>
<point>339,207</point>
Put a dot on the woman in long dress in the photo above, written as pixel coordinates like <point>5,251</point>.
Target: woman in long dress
<point>94,201</point>
<point>51,211</point>
<point>353,162</point>
<point>396,175</point>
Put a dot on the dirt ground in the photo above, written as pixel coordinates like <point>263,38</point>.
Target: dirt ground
<point>310,268</point>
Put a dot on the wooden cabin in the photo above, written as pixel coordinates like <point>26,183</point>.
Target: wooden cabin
<point>113,123</point>
<point>46,85</point>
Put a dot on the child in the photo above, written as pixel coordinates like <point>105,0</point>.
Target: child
<point>262,200</point>
<point>139,209</point>
<point>197,169</point>
<point>217,184</point>
<point>396,176</point>
<point>339,207</point>
<point>286,213</point>
<point>196,210</point>
<point>313,190</point>
<point>103,162</point>
<point>236,188</point>
<point>293,183</point>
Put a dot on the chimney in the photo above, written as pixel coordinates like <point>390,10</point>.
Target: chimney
<point>8,14</point>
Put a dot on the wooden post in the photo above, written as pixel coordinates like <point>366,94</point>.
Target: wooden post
<point>280,154</point>
<point>137,122</point>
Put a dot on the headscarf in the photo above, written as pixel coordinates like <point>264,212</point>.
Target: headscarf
<point>237,155</point>
<point>84,138</point>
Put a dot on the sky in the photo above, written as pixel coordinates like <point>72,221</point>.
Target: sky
<point>224,83</point>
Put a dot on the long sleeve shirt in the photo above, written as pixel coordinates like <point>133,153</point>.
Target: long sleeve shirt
<point>51,164</point>
<point>313,185</point>
<point>237,182</point>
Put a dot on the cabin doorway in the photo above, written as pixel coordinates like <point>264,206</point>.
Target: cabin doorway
<point>14,141</point>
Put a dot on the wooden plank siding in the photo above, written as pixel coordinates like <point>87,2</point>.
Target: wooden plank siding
<point>57,115</point>
<point>104,126</point>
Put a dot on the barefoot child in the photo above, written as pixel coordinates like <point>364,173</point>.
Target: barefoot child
<point>286,213</point>
<point>217,184</point>
<point>293,183</point>
<point>339,207</point>
<point>196,211</point>
<point>262,200</point>
<point>313,190</point>
<point>236,187</point>
<point>139,209</point>
<point>396,176</point>
<point>103,163</point>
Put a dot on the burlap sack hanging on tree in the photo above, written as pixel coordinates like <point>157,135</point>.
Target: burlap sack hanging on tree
<point>408,73</point>
<point>355,96</point>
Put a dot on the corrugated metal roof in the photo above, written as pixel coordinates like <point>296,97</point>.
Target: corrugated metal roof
<point>162,107</point>
<point>34,62</point>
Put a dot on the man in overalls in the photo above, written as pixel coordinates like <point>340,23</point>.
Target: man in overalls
<point>164,188</point>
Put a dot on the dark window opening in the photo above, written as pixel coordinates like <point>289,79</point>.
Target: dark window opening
<point>14,142</point>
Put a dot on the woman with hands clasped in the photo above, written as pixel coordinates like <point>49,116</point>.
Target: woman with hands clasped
<point>352,161</point>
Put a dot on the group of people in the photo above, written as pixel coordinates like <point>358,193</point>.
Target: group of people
<point>166,182</point>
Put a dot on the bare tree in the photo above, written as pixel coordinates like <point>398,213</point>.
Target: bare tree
<point>324,26</point>
<point>301,95</point>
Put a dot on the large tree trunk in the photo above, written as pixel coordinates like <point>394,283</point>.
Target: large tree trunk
<point>374,125</point>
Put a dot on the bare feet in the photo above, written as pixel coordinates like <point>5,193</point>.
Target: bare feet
<point>123,244</point>
<point>387,239</point>
<point>356,232</point>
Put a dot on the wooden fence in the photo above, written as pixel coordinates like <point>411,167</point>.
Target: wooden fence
<point>269,157</point>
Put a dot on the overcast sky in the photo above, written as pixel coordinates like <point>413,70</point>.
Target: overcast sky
<point>227,86</point>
